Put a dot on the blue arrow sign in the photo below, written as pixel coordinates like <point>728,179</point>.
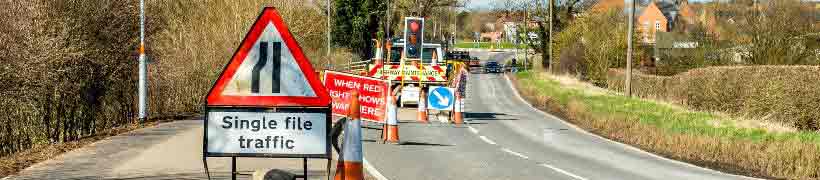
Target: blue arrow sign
<point>440,98</point>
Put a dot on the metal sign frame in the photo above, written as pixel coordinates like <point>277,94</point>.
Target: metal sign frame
<point>302,104</point>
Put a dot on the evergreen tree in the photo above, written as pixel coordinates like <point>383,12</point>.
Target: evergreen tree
<point>356,22</point>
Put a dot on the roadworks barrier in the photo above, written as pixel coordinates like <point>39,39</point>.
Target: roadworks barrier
<point>350,166</point>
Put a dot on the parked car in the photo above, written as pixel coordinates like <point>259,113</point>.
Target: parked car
<point>493,67</point>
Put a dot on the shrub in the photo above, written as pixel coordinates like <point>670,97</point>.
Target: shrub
<point>67,71</point>
<point>787,94</point>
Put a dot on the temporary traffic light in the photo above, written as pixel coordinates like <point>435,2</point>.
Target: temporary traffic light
<point>413,37</point>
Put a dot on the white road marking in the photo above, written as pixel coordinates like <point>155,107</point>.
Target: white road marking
<point>514,153</point>
<point>562,171</point>
<point>486,140</point>
<point>475,131</point>
<point>372,170</point>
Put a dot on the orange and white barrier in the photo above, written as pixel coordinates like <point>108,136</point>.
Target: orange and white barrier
<point>458,109</point>
<point>349,166</point>
<point>422,114</point>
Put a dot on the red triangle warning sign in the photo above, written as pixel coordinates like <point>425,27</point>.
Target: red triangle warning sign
<point>269,70</point>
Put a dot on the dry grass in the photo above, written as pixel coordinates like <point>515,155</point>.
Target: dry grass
<point>679,134</point>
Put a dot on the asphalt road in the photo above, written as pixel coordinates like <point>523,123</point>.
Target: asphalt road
<point>507,139</point>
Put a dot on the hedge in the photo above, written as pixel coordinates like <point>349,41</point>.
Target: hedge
<point>788,94</point>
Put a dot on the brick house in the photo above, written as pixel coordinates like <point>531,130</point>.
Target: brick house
<point>605,5</point>
<point>661,16</point>
<point>650,21</point>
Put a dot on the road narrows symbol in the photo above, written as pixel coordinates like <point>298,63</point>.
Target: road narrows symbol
<point>263,59</point>
<point>277,65</point>
<point>260,64</point>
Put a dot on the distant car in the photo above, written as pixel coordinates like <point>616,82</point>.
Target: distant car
<point>475,62</point>
<point>493,67</point>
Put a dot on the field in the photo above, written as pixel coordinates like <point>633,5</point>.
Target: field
<point>713,140</point>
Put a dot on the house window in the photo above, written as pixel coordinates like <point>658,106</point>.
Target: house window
<point>657,25</point>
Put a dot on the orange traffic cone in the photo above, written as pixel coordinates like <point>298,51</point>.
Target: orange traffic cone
<point>422,114</point>
<point>392,122</point>
<point>349,166</point>
<point>458,109</point>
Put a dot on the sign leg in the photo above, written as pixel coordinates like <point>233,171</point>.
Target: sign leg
<point>329,162</point>
<point>233,168</point>
<point>304,168</point>
<point>205,163</point>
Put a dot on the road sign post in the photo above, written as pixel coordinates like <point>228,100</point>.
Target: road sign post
<point>267,102</point>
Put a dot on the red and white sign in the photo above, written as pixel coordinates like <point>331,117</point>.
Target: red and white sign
<point>268,69</point>
<point>372,94</point>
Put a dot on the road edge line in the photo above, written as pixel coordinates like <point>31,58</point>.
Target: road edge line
<point>625,146</point>
<point>372,170</point>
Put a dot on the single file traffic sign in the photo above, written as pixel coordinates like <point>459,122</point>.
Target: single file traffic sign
<point>268,69</point>
<point>440,98</point>
<point>268,101</point>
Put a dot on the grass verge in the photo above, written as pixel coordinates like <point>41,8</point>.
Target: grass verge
<point>701,138</point>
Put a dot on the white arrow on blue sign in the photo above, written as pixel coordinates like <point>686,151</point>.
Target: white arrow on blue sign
<point>440,98</point>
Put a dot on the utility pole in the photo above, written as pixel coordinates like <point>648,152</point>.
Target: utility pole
<point>549,54</point>
<point>142,89</point>
<point>327,66</point>
<point>526,35</point>
<point>387,37</point>
<point>628,81</point>
<point>387,28</point>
